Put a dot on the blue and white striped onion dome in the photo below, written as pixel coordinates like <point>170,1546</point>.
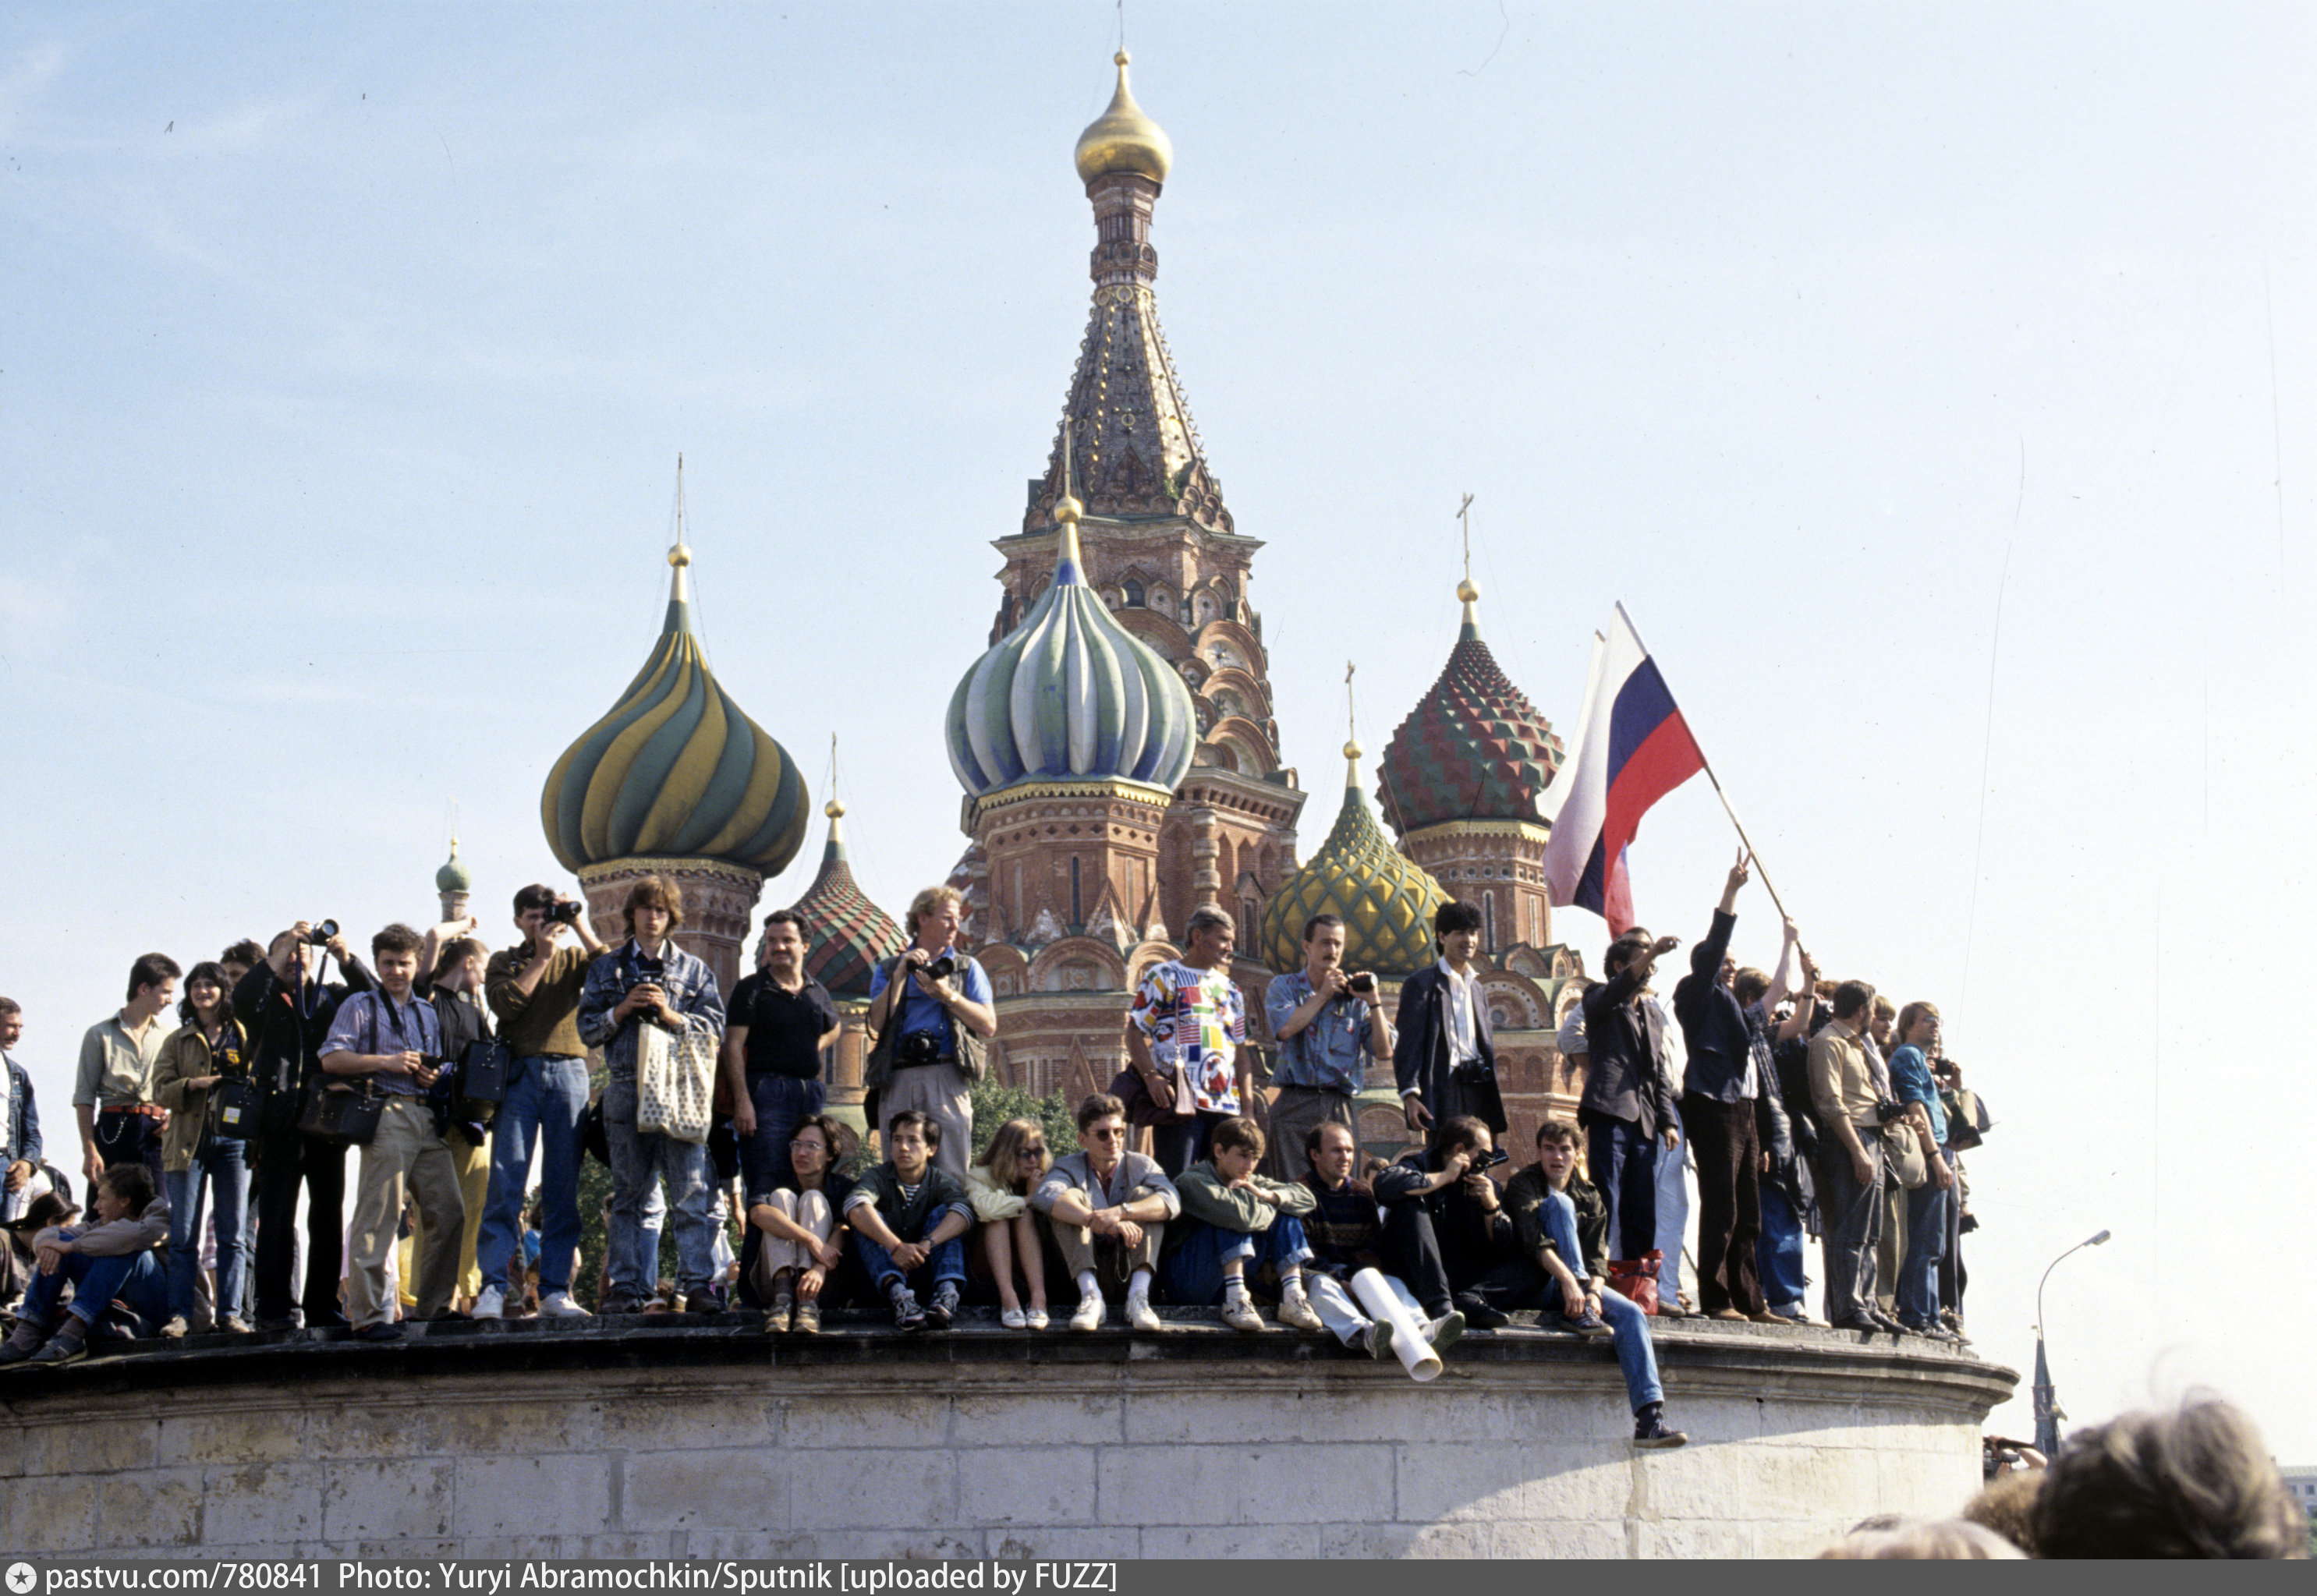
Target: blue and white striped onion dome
<point>1070,695</point>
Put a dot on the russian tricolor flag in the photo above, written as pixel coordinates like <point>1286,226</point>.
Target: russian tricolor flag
<point>1632,747</point>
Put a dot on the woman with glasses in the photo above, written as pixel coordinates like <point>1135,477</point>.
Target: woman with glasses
<point>999,1188</point>
<point>803,1235</point>
<point>206,1147</point>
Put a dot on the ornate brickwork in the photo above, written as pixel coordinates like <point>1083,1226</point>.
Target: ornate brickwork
<point>719,902</point>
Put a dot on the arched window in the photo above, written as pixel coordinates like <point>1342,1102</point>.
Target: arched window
<point>1133,593</point>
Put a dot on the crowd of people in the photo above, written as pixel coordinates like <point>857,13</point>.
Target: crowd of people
<point>448,1073</point>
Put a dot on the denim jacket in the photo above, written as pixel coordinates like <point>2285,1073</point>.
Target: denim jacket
<point>690,986</point>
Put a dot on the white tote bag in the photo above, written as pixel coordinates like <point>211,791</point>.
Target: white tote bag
<point>675,1081</point>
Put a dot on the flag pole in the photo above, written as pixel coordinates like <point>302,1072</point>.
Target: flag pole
<point>1727,808</point>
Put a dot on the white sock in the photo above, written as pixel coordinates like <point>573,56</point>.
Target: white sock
<point>1138,1289</point>
<point>1088,1286</point>
<point>1234,1287</point>
<point>1291,1287</point>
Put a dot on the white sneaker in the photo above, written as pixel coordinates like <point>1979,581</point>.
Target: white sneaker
<point>1014,1319</point>
<point>1035,1318</point>
<point>1296,1312</point>
<point>491,1304</point>
<point>1088,1315</point>
<point>557,1305</point>
<point>1141,1316</point>
<point>1240,1313</point>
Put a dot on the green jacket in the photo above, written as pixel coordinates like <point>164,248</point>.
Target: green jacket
<point>1525,1194</point>
<point>185,1057</point>
<point>1207,1199</point>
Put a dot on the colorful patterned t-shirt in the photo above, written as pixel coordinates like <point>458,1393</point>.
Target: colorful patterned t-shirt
<point>1196,1022</point>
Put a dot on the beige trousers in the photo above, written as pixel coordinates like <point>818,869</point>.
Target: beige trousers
<point>1114,1265</point>
<point>473,1165</point>
<point>942,1093</point>
<point>405,1156</point>
<point>777,1252</point>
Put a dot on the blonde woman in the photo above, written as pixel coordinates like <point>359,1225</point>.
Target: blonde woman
<point>1000,1189</point>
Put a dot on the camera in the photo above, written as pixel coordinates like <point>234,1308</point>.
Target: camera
<point>564,911</point>
<point>321,931</point>
<point>940,969</point>
<point>1472,1071</point>
<point>916,1047</point>
<point>1488,1160</point>
<point>1361,985</point>
<point>1887,1110</point>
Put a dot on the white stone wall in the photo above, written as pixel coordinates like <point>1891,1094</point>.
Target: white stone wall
<point>1117,1458</point>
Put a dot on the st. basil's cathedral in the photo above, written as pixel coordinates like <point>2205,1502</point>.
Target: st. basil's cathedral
<point>1119,756</point>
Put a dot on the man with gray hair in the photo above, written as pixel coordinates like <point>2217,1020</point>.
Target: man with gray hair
<point>1185,1037</point>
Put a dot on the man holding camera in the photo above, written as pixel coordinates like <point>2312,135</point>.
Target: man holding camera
<point>393,1042</point>
<point>287,1010</point>
<point>1446,1062</point>
<point>935,987</point>
<point>533,991</point>
<point>1445,1231</point>
<point>1328,1022</point>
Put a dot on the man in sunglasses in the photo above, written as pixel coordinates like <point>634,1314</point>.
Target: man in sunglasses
<point>1108,1208</point>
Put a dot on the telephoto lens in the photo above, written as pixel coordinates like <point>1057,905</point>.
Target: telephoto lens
<point>324,930</point>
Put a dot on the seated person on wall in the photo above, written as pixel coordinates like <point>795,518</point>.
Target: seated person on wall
<point>907,1216</point>
<point>1108,1209</point>
<point>1346,1234</point>
<point>1328,1022</point>
<point>108,1260</point>
<point>1000,1189</point>
<point>1445,1228</point>
<point>393,1041</point>
<point>1235,1222</point>
<point>799,1227</point>
<point>1564,1226</point>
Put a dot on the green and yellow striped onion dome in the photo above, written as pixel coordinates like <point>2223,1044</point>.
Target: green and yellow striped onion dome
<point>1070,695</point>
<point>676,771</point>
<point>1386,900</point>
<point>850,936</point>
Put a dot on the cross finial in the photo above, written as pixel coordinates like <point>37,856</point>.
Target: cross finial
<point>1351,702</point>
<point>1464,519</point>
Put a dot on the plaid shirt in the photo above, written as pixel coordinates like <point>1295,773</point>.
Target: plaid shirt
<point>690,986</point>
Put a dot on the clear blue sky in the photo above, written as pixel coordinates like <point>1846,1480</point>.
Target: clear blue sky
<point>345,359</point>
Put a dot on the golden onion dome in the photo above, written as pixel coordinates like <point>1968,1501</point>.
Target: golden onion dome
<point>1385,899</point>
<point>676,769</point>
<point>1123,139</point>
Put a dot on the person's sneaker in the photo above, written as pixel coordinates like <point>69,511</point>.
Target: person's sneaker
<point>1141,1316</point>
<point>1376,1340</point>
<point>1650,1431</point>
<point>1885,1323</point>
<point>1240,1313</point>
<point>708,1299</point>
<point>556,1305</point>
<point>1929,1330</point>
<point>1767,1317</point>
<point>175,1329</point>
<point>908,1316</point>
<point>1586,1323</point>
<point>1014,1318</point>
<point>1035,1318</point>
<point>941,1311</point>
<point>1296,1312</point>
<point>69,1344</point>
<point>385,1330</point>
<point>1676,1310</point>
<point>492,1303</point>
<point>1443,1333</point>
<point>807,1320</point>
<point>1088,1314</point>
<point>612,1307</point>
<point>28,1338</point>
<point>230,1325</point>
<point>1479,1315</point>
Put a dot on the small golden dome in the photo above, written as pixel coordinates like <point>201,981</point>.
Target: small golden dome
<point>833,808</point>
<point>1351,751</point>
<point>680,556</point>
<point>1469,591</point>
<point>1069,511</point>
<point>1123,139</point>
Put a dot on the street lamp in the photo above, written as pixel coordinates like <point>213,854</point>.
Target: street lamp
<point>2047,1404</point>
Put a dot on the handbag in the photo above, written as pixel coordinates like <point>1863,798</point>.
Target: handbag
<point>675,1081</point>
<point>1902,1154</point>
<point>235,1105</point>
<point>1142,1110</point>
<point>345,1115</point>
<point>1636,1279</point>
<point>484,1068</point>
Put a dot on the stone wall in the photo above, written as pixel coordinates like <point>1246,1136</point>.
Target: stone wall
<point>707,1441</point>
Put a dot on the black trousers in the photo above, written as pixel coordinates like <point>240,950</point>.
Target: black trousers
<point>123,1138</point>
<point>1622,1162</point>
<point>285,1160</point>
<point>1412,1251</point>
<point>1728,1153</point>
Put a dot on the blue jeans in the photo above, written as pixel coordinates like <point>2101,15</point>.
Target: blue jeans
<point>1927,1247</point>
<point>222,1167</point>
<point>1781,1254</point>
<point>1624,1167</point>
<point>136,1279</point>
<point>781,1101</point>
<point>1194,1269</point>
<point>546,1101</point>
<point>947,1263</point>
<point>641,1162</point>
<point>1629,1327</point>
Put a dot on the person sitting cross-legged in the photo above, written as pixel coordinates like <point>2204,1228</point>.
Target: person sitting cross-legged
<point>112,1259</point>
<point>1237,1223</point>
<point>1108,1209</point>
<point>907,1217</point>
<point>1346,1231</point>
<point>1563,1224</point>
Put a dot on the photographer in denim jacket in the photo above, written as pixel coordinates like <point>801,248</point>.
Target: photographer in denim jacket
<point>649,980</point>
<point>933,1000</point>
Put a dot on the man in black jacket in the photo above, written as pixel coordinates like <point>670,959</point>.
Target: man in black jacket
<point>1444,1061</point>
<point>1445,1231</point>
<point>287,1010</point>
<point>1627,1106</point>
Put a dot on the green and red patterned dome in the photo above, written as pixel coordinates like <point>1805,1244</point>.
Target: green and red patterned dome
<point>850,935</point>
<point>1473,748</point>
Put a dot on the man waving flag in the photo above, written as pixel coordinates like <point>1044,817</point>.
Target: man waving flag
<point>1632,747</point>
